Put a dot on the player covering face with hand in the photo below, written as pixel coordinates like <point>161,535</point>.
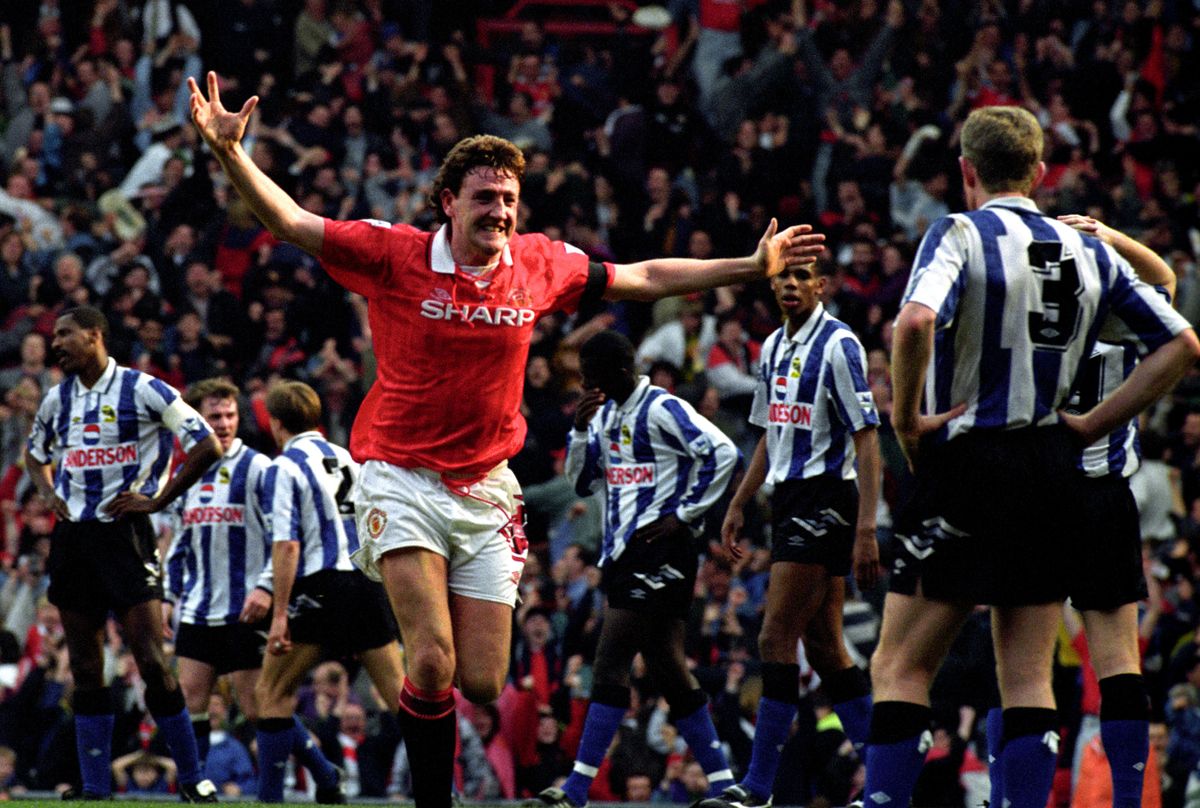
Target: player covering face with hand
<point>659,467</point>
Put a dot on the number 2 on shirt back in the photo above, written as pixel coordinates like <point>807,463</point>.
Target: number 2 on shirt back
<point>342,497</point>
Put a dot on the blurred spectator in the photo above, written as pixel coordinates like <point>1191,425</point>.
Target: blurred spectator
<point>143,773</point>
<point>685,342</point>
<point>228,763</point>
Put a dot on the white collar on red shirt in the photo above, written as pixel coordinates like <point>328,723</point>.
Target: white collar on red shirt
<point>439,254</point>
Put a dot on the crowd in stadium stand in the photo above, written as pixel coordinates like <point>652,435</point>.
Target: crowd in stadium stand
<point>685,141</point>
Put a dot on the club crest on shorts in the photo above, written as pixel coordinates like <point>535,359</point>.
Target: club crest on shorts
<point>376,522</point>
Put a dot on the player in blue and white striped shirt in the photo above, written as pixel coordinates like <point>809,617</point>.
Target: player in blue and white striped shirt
<point>99,455</point>
<point>1003,306</point>
<point>1108,580</point>
<point>322,603</point>
<point>660,467</point>
<point>820,454</point>
<point>218,572</point>
<point>216,568</point>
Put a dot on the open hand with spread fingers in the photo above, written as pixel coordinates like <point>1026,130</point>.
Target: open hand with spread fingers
<point>220,128</point>
<point>796,245</point>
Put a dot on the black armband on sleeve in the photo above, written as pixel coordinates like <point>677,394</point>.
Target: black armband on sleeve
<point>597,285</point>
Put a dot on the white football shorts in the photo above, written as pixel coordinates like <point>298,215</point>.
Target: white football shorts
<point>479,530</point>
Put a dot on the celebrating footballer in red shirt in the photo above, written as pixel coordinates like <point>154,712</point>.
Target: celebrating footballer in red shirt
<point>452,316</point>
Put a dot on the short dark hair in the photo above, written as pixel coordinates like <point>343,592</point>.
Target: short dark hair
<point>610,347</point>
<point>296,406</point>
<point>89,317</point>
<point>478,151</point>
<point>210,388</point>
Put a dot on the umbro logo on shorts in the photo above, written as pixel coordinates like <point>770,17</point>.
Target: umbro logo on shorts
<point>827,519</point>
<point>302,604</point>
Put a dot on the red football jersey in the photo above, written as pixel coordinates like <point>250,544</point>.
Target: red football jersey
<point>450,351</point>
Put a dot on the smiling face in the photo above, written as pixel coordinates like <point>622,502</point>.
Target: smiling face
<point>483,215</point>
<point>797,290</point>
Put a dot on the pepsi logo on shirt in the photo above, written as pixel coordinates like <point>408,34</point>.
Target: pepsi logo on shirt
<point>781,387</point>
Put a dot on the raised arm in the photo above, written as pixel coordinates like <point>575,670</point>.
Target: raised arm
<point>222,131</point>
<point>582,466</point>
<point>665,277</point>
<point>1149,265</point>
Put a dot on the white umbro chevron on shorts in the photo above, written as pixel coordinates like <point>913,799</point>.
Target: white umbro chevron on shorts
<point>480,531</point>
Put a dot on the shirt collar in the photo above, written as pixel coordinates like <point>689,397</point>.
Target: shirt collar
<point>1022,202</point>
<point>635,398</point>
<point>101,385</point>
<point>804,332</point>
<point>442,261</point>
<point>312,433</point>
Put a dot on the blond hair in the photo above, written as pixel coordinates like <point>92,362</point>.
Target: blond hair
<point>1004,144</point>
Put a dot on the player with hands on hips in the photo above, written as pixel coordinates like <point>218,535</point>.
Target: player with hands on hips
<point>1003,308</point>
<point>1107,577</point>
<point>99,456</point>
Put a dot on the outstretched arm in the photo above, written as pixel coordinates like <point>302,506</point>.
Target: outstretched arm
<point>664,277</point>
<point>222,131</point>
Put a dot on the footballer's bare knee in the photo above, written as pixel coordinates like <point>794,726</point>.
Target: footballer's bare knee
<point>826,658</point>
<point>431,664</point>
<point>777,639</point>
<point>196,681</point>
<point>481,687</point>
<point>271,697</point>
